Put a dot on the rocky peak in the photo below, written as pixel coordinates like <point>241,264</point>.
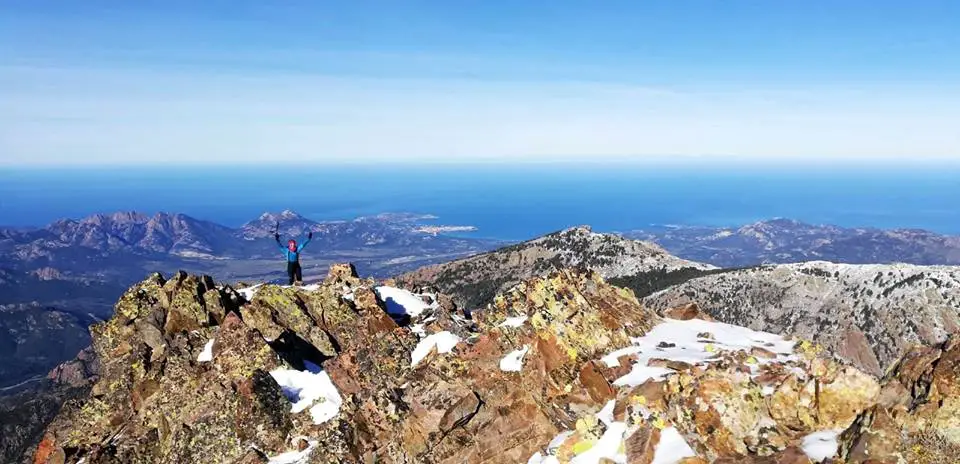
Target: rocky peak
<point>474,281</point>
<point>291,224</point>
<point>559,368</point>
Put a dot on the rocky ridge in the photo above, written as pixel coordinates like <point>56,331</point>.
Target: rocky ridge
<point>866,314</point>
<point>474,281</point>
<point>25,413</point>
<point>561,368</point>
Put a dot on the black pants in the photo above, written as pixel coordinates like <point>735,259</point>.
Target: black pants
<point>294,272</point>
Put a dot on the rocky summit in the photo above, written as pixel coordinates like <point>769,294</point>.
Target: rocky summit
<point>474,281</point>
<point>559,368</point>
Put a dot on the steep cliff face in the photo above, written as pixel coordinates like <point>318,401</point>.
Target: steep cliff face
<point>560,368</point>
<point>866,314</point>
<point>26,412</point>
<point>474,281</point>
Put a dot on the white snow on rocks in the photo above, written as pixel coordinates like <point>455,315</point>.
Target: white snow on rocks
<point>442,341</point>
<point>820,445</point>
<point>514,322</point>
<point>249,292</point>
<point>513,362</point>
<point>539,458</point>
<point>207,354</point>
<point>400,302</point>
<point>608,446</point>
<point>688,342</point>
<point>314,390</point>
<point>418,329</point>
<point>294,457</point>
<point>671,448</point>
<point>606,414</point>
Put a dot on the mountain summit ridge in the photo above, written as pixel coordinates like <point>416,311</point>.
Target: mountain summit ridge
<point>474,280</point>
<point>560,368</point>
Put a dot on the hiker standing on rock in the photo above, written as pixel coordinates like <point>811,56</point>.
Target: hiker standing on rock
<point>292,253</point>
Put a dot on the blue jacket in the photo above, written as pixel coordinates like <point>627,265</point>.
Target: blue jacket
<point>292,256</point>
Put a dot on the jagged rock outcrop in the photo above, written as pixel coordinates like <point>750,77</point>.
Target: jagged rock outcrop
<point>560,368</point>
<point>24,415</point>
<point>474,281</point>
<point>917,416</point>
<point>866,314</point>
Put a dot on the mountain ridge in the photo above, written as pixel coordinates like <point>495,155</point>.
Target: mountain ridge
<point>563,368</point>
<point>782,240</point>
<point>474,280</point>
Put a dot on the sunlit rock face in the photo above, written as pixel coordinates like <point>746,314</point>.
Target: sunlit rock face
<point>559,368</point>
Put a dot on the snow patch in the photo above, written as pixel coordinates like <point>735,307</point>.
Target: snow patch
<point>539,458</point>
<point>606,414</point>
<point>513,362</point>
<point>401,302</point>
<point>681,341</point>
<point>249,292</point>
<point>305,389</point>
<point>820,445</point>
<point>207,354</point>
<point>418,329</point>
<point>514,322</point>
<point>671,448</point>
<point>609,446</point>
<point>294,457</point>
<point>442,341</point>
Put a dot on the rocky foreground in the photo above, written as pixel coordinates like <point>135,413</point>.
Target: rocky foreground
<point>564,368</point>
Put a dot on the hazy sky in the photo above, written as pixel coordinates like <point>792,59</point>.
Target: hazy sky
<point>165,82</point>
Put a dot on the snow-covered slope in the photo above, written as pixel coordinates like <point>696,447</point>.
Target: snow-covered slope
<point>867,314</point>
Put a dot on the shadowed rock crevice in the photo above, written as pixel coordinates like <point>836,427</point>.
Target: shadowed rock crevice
<point>296,351</point>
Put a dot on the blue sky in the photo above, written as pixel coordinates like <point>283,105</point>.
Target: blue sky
<point>252,82</point>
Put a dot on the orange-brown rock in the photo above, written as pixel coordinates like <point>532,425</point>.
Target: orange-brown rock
<point>159,400</point>
<point>686,312</point>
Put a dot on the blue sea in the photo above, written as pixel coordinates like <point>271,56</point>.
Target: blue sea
<point>504,202</point>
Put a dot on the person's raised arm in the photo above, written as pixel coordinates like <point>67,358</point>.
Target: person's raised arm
<point>309,237</point>
<point>276,237</point>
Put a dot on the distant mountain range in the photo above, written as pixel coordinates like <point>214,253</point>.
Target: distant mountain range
<point>77,268</point>
<point>788,241</point>
<point>96,257</point>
